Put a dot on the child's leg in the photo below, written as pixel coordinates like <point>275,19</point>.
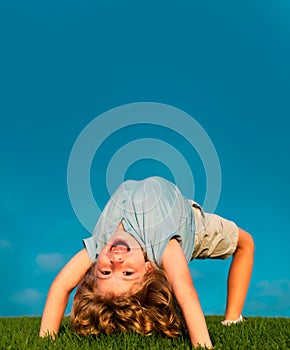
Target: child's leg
<point>239,275</point>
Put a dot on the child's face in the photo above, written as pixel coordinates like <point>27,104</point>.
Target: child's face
<point>121,264</point>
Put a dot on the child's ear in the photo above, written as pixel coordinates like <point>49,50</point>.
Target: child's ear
<point>149,265</point>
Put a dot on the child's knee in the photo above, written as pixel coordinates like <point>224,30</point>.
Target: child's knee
<point>246,241</point>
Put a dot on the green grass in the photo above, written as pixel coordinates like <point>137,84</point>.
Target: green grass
<point>255,333</point>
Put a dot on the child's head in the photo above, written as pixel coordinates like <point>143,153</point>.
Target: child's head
<point>121,264</point>
<point>149,308</point>
<point>122,291</point>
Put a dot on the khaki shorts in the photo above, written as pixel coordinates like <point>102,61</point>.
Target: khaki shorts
<point>215,237</point>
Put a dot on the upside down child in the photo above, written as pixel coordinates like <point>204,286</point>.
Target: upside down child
<point>133,272</point>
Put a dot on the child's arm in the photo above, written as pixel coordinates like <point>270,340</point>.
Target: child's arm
<point>176,268</point>
<point>60,290</point>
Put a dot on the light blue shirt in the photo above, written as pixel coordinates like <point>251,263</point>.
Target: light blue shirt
<point>153,211</point>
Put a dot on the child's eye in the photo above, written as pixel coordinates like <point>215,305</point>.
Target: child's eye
<point>105,272</point>
<point>128,273</point>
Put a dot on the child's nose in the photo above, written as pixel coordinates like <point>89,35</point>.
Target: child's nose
<point>116,259</point>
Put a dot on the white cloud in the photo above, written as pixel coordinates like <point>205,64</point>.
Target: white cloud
<point>4,244</point>
<point>27,296</point>
<point>195,274</point>
<point>270,298</point>
<point>276,288</point>
<point>51,262</point>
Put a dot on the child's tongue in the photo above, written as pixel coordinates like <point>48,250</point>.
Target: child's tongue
<point>119,247</point>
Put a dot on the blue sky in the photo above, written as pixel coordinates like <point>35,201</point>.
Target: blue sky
<point>64,63</point>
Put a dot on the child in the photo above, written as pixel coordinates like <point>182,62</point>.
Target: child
<point>137,259</point>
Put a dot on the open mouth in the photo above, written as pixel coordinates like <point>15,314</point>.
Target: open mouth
<point>119,247</point>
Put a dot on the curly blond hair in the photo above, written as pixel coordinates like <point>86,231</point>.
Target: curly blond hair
<point>149,309</point>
